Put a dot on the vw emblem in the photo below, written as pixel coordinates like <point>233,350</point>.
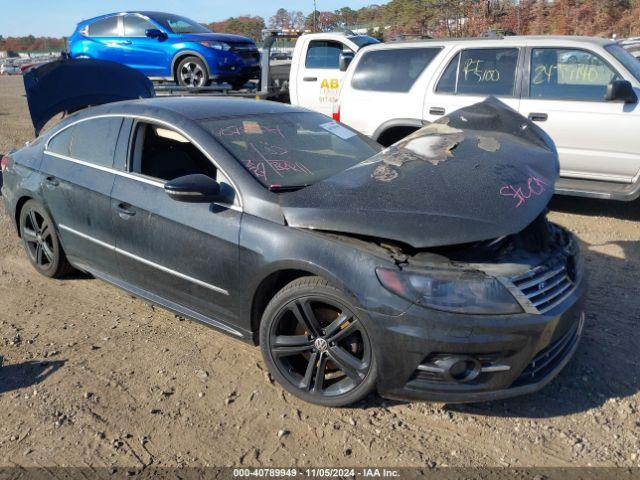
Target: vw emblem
<point>321,344</point>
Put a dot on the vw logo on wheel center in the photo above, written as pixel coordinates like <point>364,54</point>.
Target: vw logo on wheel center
<point>321,344</point>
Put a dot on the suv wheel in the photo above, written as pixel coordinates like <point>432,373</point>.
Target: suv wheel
<point>192,72</point>
<point>41,241</point>
<point>315,346</point>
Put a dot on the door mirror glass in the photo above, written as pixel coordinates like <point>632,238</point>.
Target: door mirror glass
<point>155,33</point>
<point>345,60</point>
<point>620,91</point>
<point>195,188</point>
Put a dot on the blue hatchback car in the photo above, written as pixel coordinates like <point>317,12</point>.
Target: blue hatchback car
<point>164,46</point>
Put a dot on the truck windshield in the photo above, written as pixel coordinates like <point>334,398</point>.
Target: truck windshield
<point>178,24</point>
<point>292,150</point>
<point>625,58</point>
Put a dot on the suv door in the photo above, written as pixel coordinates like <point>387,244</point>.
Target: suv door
<point>183,254</point>
<point>565,92</point>
<point>106,41</point>
<point>149,55</point>
<point>319,75</point>
<point>470,76</point>
<point>78,175</point>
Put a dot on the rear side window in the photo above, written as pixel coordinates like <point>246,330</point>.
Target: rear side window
<point>324,54</point>
<point>135,26</point>
<point>393,70</point>
<point>481,71</point>
<point>107,27</point>
<point>568,74</point>
<point>92,141</point>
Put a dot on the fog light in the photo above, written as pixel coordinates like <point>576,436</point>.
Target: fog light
<point>459,369</point>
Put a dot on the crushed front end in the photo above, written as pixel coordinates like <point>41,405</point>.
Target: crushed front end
<point>445,354</point>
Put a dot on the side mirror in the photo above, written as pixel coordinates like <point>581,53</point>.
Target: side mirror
<point>196,188</point>
<point>620,91</point>
<point>155,33</point>
<point>345,60</point>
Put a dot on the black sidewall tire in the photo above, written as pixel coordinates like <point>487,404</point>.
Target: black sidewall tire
<point>197,60</point>
<point>59,266</point>
<point>314,286</point>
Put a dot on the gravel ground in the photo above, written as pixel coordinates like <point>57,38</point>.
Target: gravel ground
<point>94,377</point>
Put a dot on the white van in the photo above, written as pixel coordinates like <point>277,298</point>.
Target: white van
<point>582,91</point>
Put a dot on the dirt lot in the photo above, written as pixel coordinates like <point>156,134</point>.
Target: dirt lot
<point>94,377</point>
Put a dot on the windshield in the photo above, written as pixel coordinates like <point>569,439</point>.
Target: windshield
<point>292,150</point>
<point>363,40</point>
<point>178,24</point>
<point>625,58</point>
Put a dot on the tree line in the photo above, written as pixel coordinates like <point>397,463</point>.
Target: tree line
<point>436,18</point>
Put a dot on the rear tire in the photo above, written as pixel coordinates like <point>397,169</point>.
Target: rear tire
<point>40,241</point>
<point>315,346</point>
<point>192,73</point>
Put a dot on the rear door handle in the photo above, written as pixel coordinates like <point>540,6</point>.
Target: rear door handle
<point>125,211</point>
<point>310,79</point>
<point>437,111</point>
<point>125,42</point>
<point>51,182</point>
<point>538,117</point>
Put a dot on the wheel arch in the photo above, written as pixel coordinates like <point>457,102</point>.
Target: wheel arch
<point>181,55</point>
<point>16,214</point>
<point>393,130</point>
<point>275,281</point>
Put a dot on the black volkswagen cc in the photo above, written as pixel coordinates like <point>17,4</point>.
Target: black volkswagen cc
<point>427,270</point>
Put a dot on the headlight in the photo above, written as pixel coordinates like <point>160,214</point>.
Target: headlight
<point>451,291</point>
<point>216,45</point>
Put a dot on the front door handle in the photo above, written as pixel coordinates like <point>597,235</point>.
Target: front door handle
<point>51,182</point>
<point>437,111</point>
<point>126,42</point>
<point>538,117</point>
<point>310,79</point>
<point>125,211</point>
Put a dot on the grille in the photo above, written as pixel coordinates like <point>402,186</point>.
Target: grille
<point>547,358</point>
<point>547,286</point>
<point>246,51</point>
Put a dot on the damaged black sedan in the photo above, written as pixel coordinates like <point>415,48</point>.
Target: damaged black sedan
<point>427,270</point>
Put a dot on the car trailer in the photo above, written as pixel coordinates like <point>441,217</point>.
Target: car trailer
<point>272,85</point>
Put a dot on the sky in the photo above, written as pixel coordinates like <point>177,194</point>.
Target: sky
<point>57,18</point>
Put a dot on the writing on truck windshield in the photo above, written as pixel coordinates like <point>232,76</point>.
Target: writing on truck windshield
<point>293,150</point>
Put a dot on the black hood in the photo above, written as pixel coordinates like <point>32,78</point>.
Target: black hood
<point>69,85</point>
<point>482,172</point>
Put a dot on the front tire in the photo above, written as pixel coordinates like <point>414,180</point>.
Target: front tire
<point>41,242</point>
<point>192,73</point>
<point>315,346</point>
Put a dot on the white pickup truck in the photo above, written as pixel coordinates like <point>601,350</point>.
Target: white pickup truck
<point>582,91</point>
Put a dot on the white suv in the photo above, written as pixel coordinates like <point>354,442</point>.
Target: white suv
<point>582,91</point>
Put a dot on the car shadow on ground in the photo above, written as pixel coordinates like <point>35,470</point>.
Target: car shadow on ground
<point>605,367</point>
<point>26,374</point>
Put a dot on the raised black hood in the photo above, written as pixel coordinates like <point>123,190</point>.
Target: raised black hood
<point>68,85</point>
<point>482,172</point>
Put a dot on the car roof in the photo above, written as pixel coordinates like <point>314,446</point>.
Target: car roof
<point>194,107</point>
<point>514,40</point>
<point>148,14</point>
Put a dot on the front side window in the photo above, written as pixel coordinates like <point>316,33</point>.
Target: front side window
<point>292,150</point>
<point>164,154</point>
<point>136,26</point>
<point>393,70</point>
<point>107,27</point>
<point>324,54</point>
<point>92,141</point>
<point>178,24</point>
<point>481,71</point>
<point>558,73</point>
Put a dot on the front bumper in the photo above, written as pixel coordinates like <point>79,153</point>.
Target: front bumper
<point>519,354</point>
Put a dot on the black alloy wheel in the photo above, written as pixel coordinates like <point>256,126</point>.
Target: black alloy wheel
<point>315,345</point>
<point>41,241</point>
